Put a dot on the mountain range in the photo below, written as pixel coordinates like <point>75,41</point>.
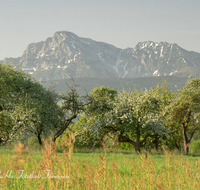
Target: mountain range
<point>67,54</point>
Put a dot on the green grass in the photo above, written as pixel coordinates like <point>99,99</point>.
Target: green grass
<point>104,169</point>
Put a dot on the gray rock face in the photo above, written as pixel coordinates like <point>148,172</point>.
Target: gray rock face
<point>67,54</point>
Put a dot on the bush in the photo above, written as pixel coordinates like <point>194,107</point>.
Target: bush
<point>33,142</point>
<point>126,146</point>
<point>195,146</point>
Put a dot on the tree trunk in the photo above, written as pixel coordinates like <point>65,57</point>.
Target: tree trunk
<point>177,144</point>
<point>102,142</point>
<point>185,138</point>
<point>155,142</point>
<point>137,148</point>
<point>60,132</point>
<point>1,140</point>
<point>39,139</point>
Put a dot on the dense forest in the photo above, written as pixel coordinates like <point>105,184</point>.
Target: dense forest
<point>155,116</point>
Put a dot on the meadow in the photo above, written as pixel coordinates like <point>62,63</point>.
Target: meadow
<point>48,168</point>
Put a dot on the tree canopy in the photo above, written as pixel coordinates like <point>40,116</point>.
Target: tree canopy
<point>185,110</point>
<point>156,116</point>
<point>26,107</point>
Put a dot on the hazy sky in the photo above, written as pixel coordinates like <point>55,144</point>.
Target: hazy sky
<point>122,23</point>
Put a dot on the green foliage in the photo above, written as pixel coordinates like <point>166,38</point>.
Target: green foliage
<point>100,93</point>
<point>25,105</point>
<point>85,138</point>
<point>6,124</point>
<point>73,105</point>
<point>125,146</point>
<point>60,141</point>
<point>185,111</point>
<point>120,115</point>
<point>195,146</point>
<point>155,116</point>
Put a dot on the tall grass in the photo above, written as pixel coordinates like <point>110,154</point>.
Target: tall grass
<point>46,169</point>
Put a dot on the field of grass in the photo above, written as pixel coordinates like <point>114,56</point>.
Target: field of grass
<point>23,168</point>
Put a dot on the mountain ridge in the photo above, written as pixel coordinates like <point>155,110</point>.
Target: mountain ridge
<point>67,54</point>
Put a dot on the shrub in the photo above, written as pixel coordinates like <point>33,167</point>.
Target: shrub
<point>195,146</point>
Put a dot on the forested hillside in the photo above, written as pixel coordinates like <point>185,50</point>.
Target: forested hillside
<point>88,84</point>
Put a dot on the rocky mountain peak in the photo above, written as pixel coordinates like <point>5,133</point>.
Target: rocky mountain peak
<point>65,54</point>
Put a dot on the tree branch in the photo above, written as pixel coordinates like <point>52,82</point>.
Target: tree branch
<point>67,122</point>
<point>145,138</point>
<point>126,139</point>
<point>192,134</point>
